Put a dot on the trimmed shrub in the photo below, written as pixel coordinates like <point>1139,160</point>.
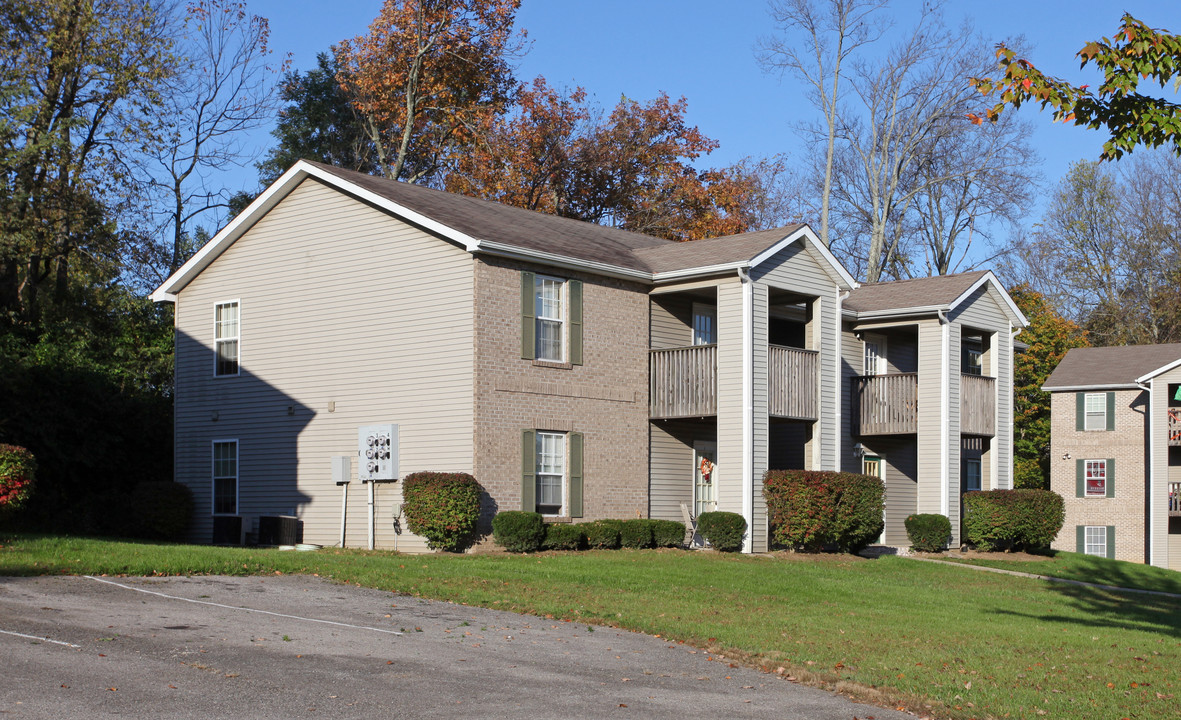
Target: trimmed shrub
<point>161,510</point>
<point>1012,519</point>
<point>602,534</point>
<point>563,536</point>
<point>668,533</point>
<point>18,470</point>
<point>723,530</point>
<point>811,510</point>
<point>635,534</point>
<point>928,532</point>
<point>518,531</point>
<point>442,507</point>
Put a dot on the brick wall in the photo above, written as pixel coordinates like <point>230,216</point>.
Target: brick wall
<point>605,398</point>
<point>1126,445</point>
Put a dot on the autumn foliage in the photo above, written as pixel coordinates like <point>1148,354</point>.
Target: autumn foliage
<point>17,471</point>
<point>1134,53</point>
<point>812,510</point>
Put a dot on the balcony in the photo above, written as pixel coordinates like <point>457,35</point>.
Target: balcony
<point>683,382</point>
<point>1175,426</point>
<point>886,404</point>
<point>791,382</point>
<point>977,405</point>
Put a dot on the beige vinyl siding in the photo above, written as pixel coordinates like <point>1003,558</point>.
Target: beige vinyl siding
<point>795,269</point>
<point>761,420</point>
<point>899,453</point>
<point>1174,544</point>
<point>670,464</point>
<point>670,323</point>
<point>348,317</point>
<point>952,439</point>
<point>730,440</point>
<point>932,433</point>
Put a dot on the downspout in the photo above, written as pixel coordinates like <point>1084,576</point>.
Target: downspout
<point>1151,473</point>
<point>747,407</point>
<point>945,416</point>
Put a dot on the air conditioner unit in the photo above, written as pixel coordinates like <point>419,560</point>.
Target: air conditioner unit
<point>227,530</point>
<point>278,530</point>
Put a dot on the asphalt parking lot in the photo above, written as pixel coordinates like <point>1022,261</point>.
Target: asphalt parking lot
<point>290,646</point>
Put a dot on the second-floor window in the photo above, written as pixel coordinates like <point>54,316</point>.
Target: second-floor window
<point>705,324</point>
<point>875,355</point>
<point>973,362</point>
<point>225,334</point>
<point>1096,408</point>
<point>1096,478</point>
<point>550,318</point>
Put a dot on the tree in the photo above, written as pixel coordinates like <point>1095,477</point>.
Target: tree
<point>223,87</point>
<point>73,75</point>
<point>1136,52</point>
<point>426,76</point>
<point>833,33</point>
<point>1049,336</point>
<point>318,123</point>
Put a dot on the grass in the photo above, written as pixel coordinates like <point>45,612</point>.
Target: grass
<point>933,638</point>
<point>1087,568</point>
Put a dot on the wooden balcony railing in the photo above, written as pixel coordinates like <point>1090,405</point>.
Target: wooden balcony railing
<point>683,382</point>
<point>977,405</point>
<point>886,404</point>
<point>791,382</point>
<point>1175,498</point>
<point>1175,426</point>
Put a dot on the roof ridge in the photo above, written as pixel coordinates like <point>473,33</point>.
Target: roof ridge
<point>926,277</point>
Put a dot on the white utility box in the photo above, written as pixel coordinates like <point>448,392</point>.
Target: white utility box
<point>377,450</point>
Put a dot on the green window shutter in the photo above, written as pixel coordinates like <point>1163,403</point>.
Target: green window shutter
<point>528,325</point>
<point>1111,411</point>
<point>1110,483</point>
<point>1080,411</point>
<point>1111,542</point>
<point>528,470</point>
<point>575,468</point>
<point>574,294</point>
<point>1080,538</point>
<point>1080,481</point>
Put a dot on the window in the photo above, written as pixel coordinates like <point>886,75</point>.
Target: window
<point>551,319</point>
<point>225,333</point>
<point>551,472</point>
<point>973,362</point>
<point>972,475</point>
<point>705,323</point>
<point>1096,409</point>
<point>225,477</point>
<point>1095,540</point>
<point>875,355</point>
<point>1096,478</point>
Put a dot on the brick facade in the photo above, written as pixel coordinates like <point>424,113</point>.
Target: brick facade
<point>1126,445</point>
<point>605,398</point>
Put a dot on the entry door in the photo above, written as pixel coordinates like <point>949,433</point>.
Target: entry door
<point>875,354</point>
<point>705,475</point>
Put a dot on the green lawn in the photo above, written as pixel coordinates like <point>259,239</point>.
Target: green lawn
<point>1088,568</point>
<point>965,643</point>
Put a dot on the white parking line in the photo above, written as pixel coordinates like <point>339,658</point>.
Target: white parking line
<point>38,638</point>
<point>243,609</point>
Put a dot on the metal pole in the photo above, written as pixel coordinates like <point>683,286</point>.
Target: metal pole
<point>344,504</point>
<point>372,522</point>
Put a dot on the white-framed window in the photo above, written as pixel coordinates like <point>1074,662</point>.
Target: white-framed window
<point>551,473</point>
<point>874,362</point>
<point>1095,540</point>
<point>226,329</point>
<point>1096,411</point>
<point>1095,478</point>
<point>550,318</point>
<point>972,475</point>
<point>973,361</point>
<point>225,477</point>
<point>705,324</point>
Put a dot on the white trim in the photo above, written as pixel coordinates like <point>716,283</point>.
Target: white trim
<point>990,278</point>
<point>1088,388</point>
<point>895,312</point>
<point>944,420</point>
<point>213,477</point>
<point>238,339</point>
<point>748,410</point>
<point>694,272</point>
<point>564,510</point>
<point>1148,376</point>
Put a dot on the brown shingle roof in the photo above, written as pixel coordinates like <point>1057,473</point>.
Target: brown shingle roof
<point>712,251</point>
<point>491,221</point>
<point>1101,366</point>
<point>940,290</point>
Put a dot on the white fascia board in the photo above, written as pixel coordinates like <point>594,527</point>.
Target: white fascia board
<point>1083,388</point>
<point>805,233</point>
<point>562,261</point>
<point>1018,317</point>
<point>896,312</point>
<point>1163,369</point>
<point>686,273</point>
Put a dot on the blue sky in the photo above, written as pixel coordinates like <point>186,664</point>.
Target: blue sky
<point>704,50</point>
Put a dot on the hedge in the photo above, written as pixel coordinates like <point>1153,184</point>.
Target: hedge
<point>442,507</point>
<point>602,534</point>
<point>161,510</point>
<point>928,532</point>
<point>518,530</point>
<point>668,533</point>
<point>723,530</point>
<point>635,534</point>
<point>562,536</point>
<point>18,470</point>
<point>1012,519</point>
<point>811,510</point>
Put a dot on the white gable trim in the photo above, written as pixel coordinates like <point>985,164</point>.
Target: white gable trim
<point>828,260</point>
<point>1163,369</point>
<point>1015,314</point>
